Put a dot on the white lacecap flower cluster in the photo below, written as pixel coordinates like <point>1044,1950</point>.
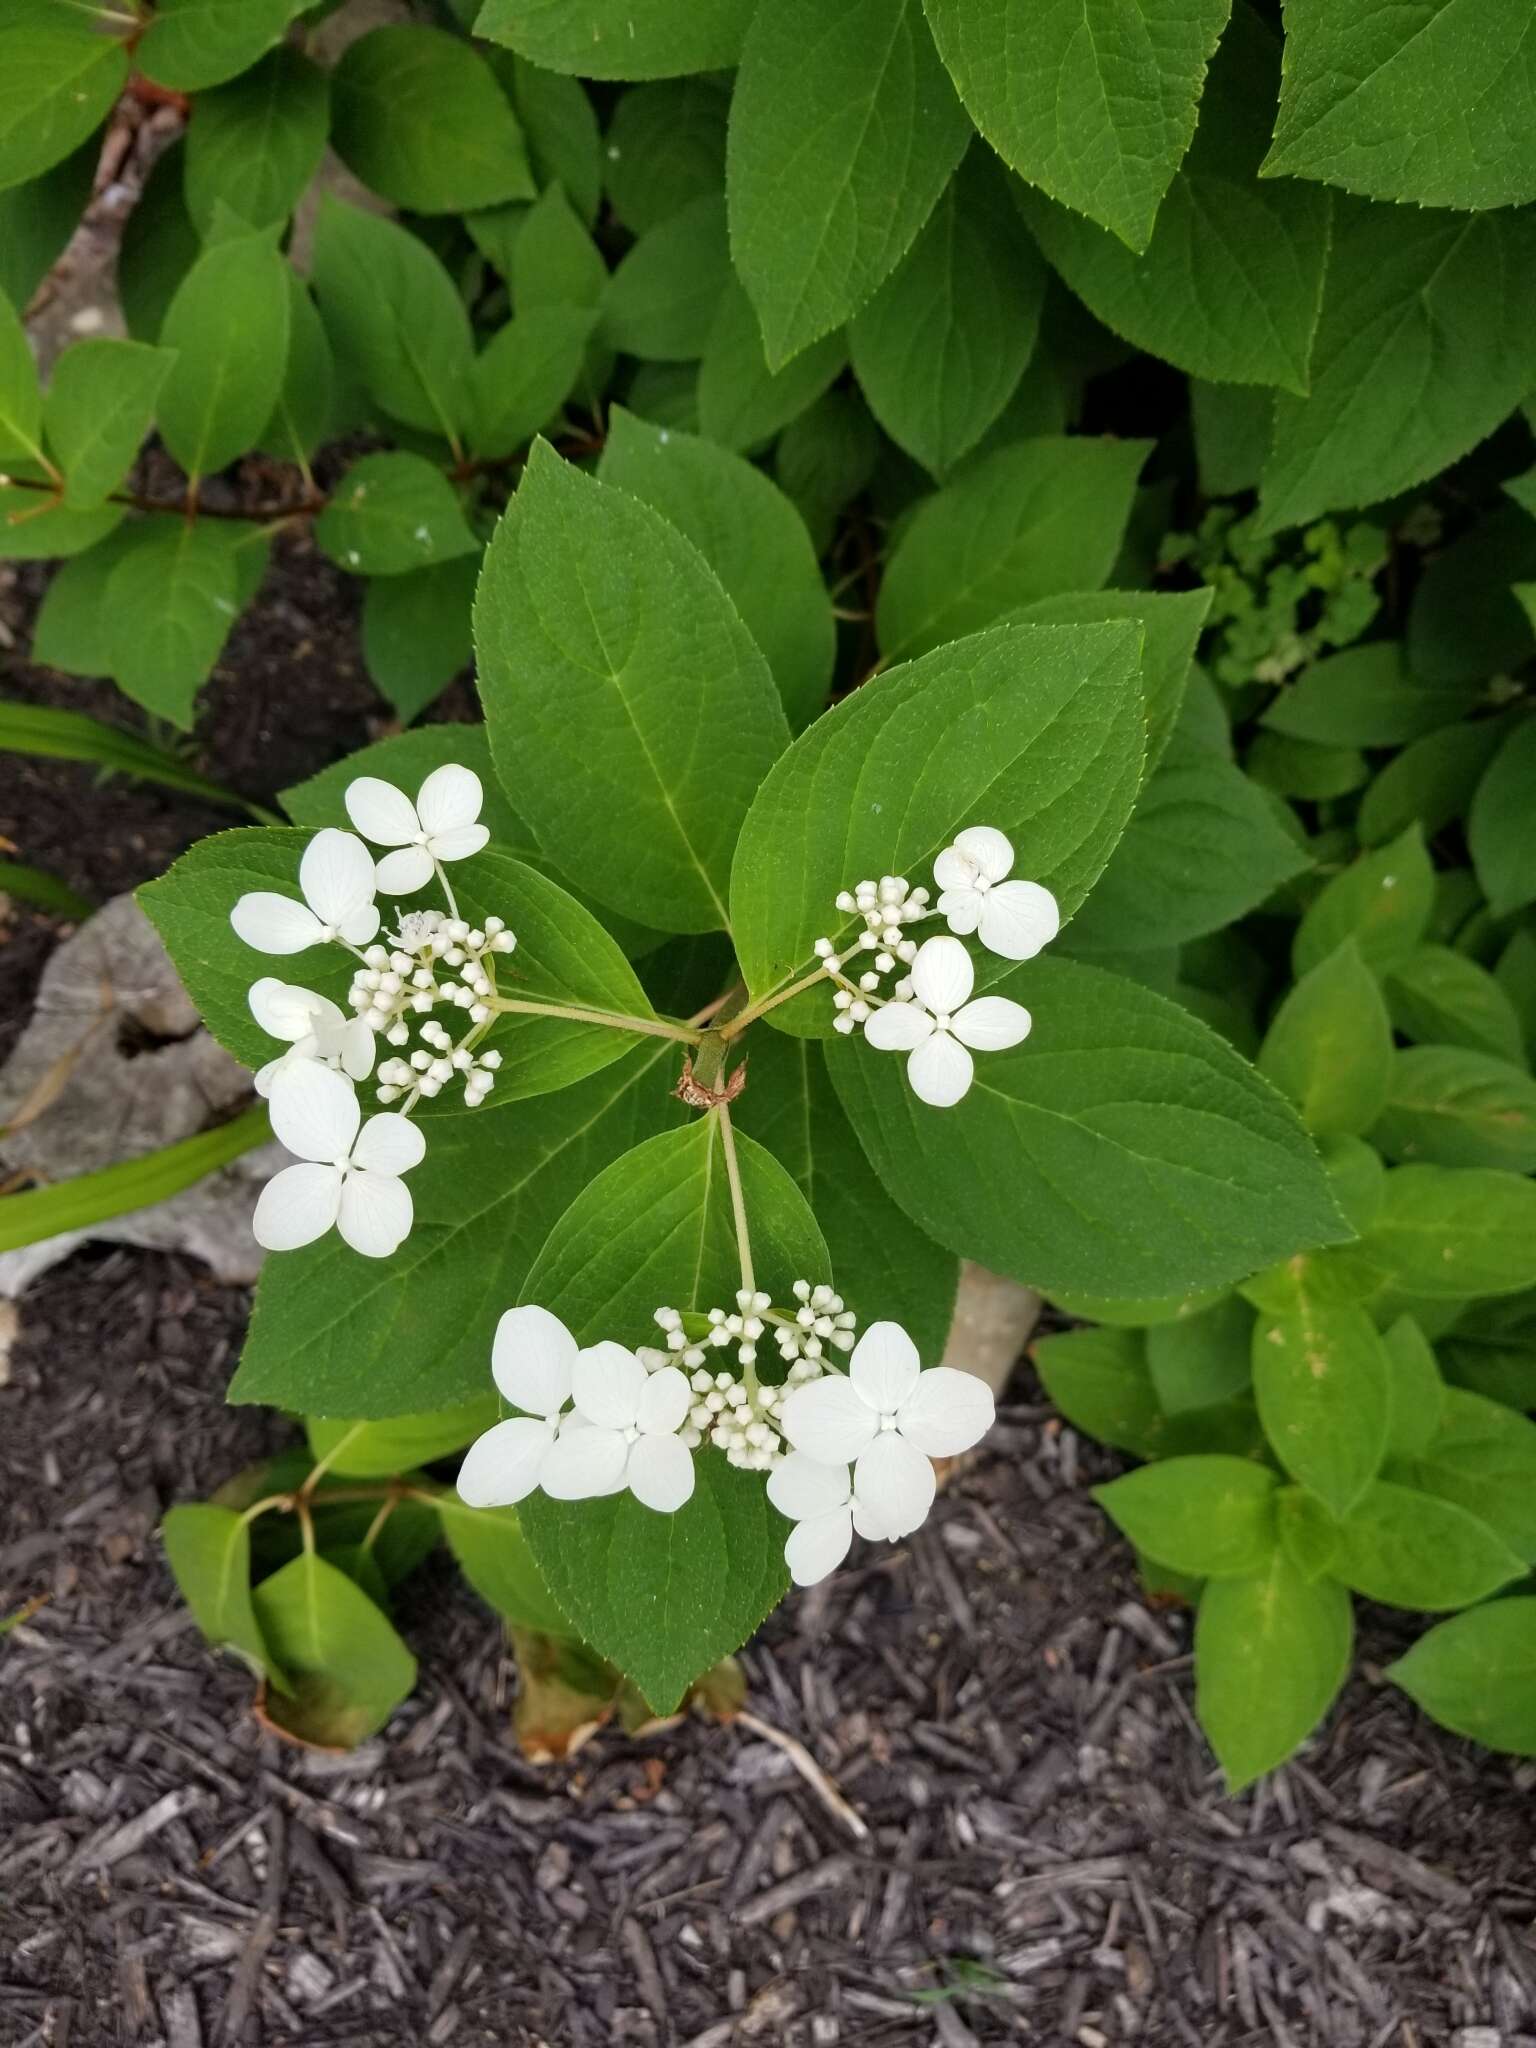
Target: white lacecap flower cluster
<point>349,1170</point>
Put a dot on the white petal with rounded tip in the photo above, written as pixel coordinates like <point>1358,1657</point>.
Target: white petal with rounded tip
<point>336,875</point>
<point>942,975</point>
<point>502,1467</point>
<point>991,1024</point>
<point>532,1357</point>
<point>870,1525</point>
<point>275,924</point>
<point>946,1412</point>
<point>828,1420</point>
<point>375,1214</point>
<point>962,910</point>
<point>283,1010</point>
<point>314,1111</point>
<point>607,1384</point>
<point>895,1483</point>
<point>381,812</point>
<point>389,1144</point>
<point>954,869</point>
<point>360,925</point>
<point>1017,919</point>
<point>263,1077</point>
<point>405,871</point>
<point>898,1027</point>
<point>296,1206</point>
<point>801,1488</point>
<point>817,1547</point>
<point>664,1402</point>
<point>450,796</point>
<point>884,1367</point>
<point>991,850</point>
<point>460,841</point>
<point>356,1046</point>
<point>940,1071</point>
<point>660,1473</point>
<point>582,1463</point>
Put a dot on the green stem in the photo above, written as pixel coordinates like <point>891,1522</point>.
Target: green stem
<point>615,1020</point>
<point>738,1203</point>
<point>753,1011</point>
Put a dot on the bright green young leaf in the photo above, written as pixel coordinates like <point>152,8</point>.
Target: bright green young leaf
<point>660,304</point>
<point>1091,100</point>
<point>418,115</point>
<point>1364,697</point>
<point>21,398</point>
<point>1197,1361</point>
<point>524,374</point>
<point>1455,1107</point>
<point>209,1550</point>
<point>491,1550</point>
<point>1476,1675</point>
<point>192,44</point>
<point>376,1450</point>
<point>172,598</point>
<point>555,262</point>
<point>613,39</point>
<point>1418,1391</point>
<point>1271,1651</point>
<point>228,326</point>
<point>416,631</point>
<point>1329,1047</point>
<point>38,217</point>
<point>596,616</point>
<point>256,142</point>
<point>1454,1233</point>
<point>742,403</point>
<point>304,415</point>
<point>28,534</point>
<point>1211,1516</point>
<point>1170,623</point>
<point>1098,1378</point>
<point>1382,901</point>
<point>1482,1456</point>
<point>1303,769</point>
<point>665,147</point>
<point>347,1668</point>
<point>100,403</point>
<point>1501,826</point>
<point>1028,522</point>
<point>58,81</point>
<point>1357,1176</point>
<point>1309,1534</point>
<point>1324,1387</point>
<point>1412,1549</point>
<point>391,514</point>
<point>1140,1152</point>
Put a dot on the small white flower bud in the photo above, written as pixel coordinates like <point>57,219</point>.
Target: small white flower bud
<point>387,1093</point>
<point>870,982</point>
<point>859,1012</point>
<point>491,1059</point>
<point>823,949</point>
<point>846,900</point>
<point>802,1290</point>
<point>843,1024</point>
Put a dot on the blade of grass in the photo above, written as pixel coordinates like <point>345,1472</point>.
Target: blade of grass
<point>74,736</point>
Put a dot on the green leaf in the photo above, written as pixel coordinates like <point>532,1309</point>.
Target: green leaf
<point>825,458</point>
<point>1211,1516</point>
<point>1033,728</point>
<point>1382,901</point>
<point>1091,100</point>
<point>1426,340</point>
<point>209,1551</point>
<point>1271,1652</point>
<point>1301,768</point>
<point>1200,1360</point>
<point>1418,1391</point>
<point>1231,425</point>
<point>660,304</point>
<point>100,404</point>
<point>305,411</point>
<point>391,514</point>
<point>524,374</point>
<point>1429,783</point>
<point>555,262</point>
<point>416,631</point>
<point>560,126</point>
<point>1452,1233</point>
<point>191,44</point>
<point>1429,105</point>
<point>749,534</point>
<point>1465,624</point>
<point>38,218</point>
<point>1364,697</point>
<point>1482,1456</point>
<point>1329,1047</point>
<point>594,615</point>
<point>1230,282</point>
<point>1027,522</point>
<point>228,325</point>
<point>379,1450</point>
<point>348,1669</point>
<point>1456,1107</point>
<point>159,246</point>
<point>58,82</point>
<point>1170,623</point>
<point>492,1552</point>
<point>1309,1534</point>
<point>1476,1675</point>
<point>171,600</point>
<point>1098,1378</point>
<point>1501,826</point>
<point>256,142</point>
<point>419,117</point>
<point>34,528</point>
<point>665,146</point>
<point>742,403</point>
<point>1410,1549</point>
<point>1324,1387</point>
<point>612,39</point>
<point>1140,1152</point>
<point>815,230</point>
<point>74,736</point>
<point>21,398</point>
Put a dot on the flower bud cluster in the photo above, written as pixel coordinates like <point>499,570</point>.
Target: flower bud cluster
<point>886,907</point>
<point>405,979</point>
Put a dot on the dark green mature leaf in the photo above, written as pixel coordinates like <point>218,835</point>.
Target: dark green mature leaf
<point>100,404</point>
<point>171,598</point>
<point>305,412</point>
<point>1465,623</point>
<point>258,141</point>
<point>1476,1675</point>
<point>1364,697</point>
<point>1211,1516</point>
<point>191,44</point>
<point>159,246</point>
<point>1491,1350</point>
<point>1329,1046</point>
<point>555,262</point>
<point>391,514</point>
<point>347,1668</point>
<point>1456,1107</point>
<point>1412,1549</point>
<point>825,458</point>
<point>1323,1381</point>
<point>1501,826</point>
<point>416,631</point>
<point>1454,1233</point>
<point>524,374</point>
<point>1199,1360</point>
<point>491,1550</point>
<point>1099,1380</point>
<point>37,219</point>
<point>665,147</point>
<point>1230,283</point>
<point>1092,102</point>
<point>1033,729</point>
<point>612,39</point>
<point>1140,1152</point>
<point>1482,1456</point>
<point>594,615</point>
<point>228,325</point>
<point>1428,783</point>
<point>559,124</point>
<point>749,534</point>
<point>1027,522</point>
<point>814,231</point>
<point>742,403</point>
<point>1271,1651</point>
<point>209,1550</point>
<point>1170,623</point>
<point>418,116</point>
<point>660,304</point>
<point>58,81</point>
<point>1382,901</point>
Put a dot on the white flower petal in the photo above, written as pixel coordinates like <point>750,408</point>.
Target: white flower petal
<point>582,1463</point>
<point>898,1027</point>
<point>389,1144</point>
<point>828,1420</point>
<point>359,926</point>
<point>283,1010</point>
<point>801,1488</point>
<point>961,908</point>
<point>450,796</point>
<point>664,1402</point>
<point>942,975</point>
<point>381,812</point>
<point>991,850</point>
<point>376,1213</point>
<point>296,1206</point>
<point>336,875</point>
<point>315,1111</point>
<point>895,1483</point>
<point>532,1356</point>
<point>606,1385</point>
<point>355,1046</point>
<point>940,1071</point>
<point>870,1525</point>
<point>946,1412</point>
<point>275,924</point>
<point>884,1367</point>
<point>263,1077</point>
<point>991,1024</point>
<point>1017,919</point>
<point>816,1548</point>
<point>460,841</point>
<point>405,871</point>
<point>954,869</point>
<point>660,1473</point>
<point>501,1467</point>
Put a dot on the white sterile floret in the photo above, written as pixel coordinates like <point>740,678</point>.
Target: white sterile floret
<point>626,1435</point>
<point>314,1028</point>
<point>336,877</point>
<point>350,1176</point>
<point>939,1026</point>
<point>1013,919</point>
<point>533,1358</point>
<point>888,1418</point>
<point>819,1500</point>
<point>443,824</point>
